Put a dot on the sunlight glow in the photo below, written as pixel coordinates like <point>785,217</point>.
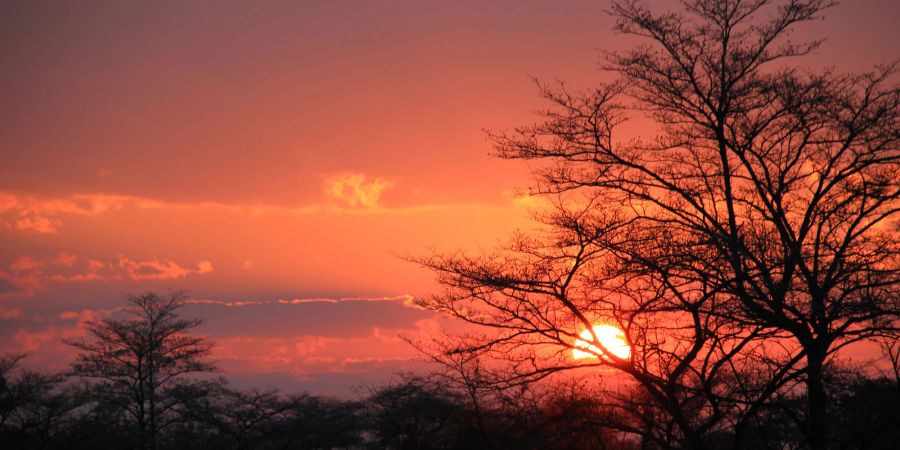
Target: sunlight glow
<point>609,336</point>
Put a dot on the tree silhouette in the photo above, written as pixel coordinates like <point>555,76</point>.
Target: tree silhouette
<point>242,419</point>
<point>140,357</point>
<point>37,410</point>
<point>739,248</point>
<point>695,366</point>
<point>414,414</point>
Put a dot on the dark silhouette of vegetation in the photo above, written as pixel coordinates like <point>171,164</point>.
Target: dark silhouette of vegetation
<point>414,412</point>
<point>140,358</point>
<point>465,405</point>
<point>739,248</point>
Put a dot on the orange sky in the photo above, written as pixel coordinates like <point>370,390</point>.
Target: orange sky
<point>274,157</point>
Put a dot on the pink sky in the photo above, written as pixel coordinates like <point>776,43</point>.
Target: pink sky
<point>274,158</point>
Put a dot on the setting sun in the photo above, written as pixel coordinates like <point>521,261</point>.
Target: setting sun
<point>610,337</point>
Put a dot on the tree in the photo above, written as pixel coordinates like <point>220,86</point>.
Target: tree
<point>537,294</point>
<point>241,419</point>
<point>414,414</point>
<point>36,410</point>
<point>141,357</point>
<point>739,249</point>
<point>320,423</point>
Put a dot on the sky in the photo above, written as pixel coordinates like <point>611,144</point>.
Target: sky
<point>277,159</point>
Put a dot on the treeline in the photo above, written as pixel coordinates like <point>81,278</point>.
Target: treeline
<point>141,380</point>
<point>46,412</point>
<point>39,411</point>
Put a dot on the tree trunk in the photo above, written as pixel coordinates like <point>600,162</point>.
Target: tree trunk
<point>141,411</point>
<point>153,430</point>
<point>695,441</point>
<point>817,401</point>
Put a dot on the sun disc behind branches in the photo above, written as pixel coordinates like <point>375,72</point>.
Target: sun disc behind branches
<point>610,337</point>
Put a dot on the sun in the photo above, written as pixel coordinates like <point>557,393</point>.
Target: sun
<point>609,336</point>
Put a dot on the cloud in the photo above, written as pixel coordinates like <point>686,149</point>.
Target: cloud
<point>347,194</point>
<point>66,259</point>
<point>9,287</point>
<point>37,224</point>
<point>152,269</point>
<point>312,353</point>
<point>27,274</point>
<point>11,313</point>
<point>368,338</point>
<point>43,339</point>
<point>158,269</point>
<point>405,299</point>
<point>228,304</point>
<point>354,191</point>
<point>204,267</point>
<point>86,315</point>
<point>38,214</point>
<point>25,264</point>
<point>332,317</point>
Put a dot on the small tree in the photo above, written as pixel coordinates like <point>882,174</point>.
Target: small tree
<point>139,358</point>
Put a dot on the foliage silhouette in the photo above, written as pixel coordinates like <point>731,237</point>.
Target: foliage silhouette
<point>138,359</point>
<point>739,248</point>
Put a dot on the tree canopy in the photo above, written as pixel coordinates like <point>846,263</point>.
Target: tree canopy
<point>739,243</point>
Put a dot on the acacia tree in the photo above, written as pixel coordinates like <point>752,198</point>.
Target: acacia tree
<point>755,232</point>
<point>539,292</point>
<point>141,357</point>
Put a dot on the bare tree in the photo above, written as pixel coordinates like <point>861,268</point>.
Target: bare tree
<point>36,410</point>
<point>415,413</point>
<point>13,392</point>
<point>243,418</point>
<point>140,357</point>
<point>539,293</point>
<point>755,229</point>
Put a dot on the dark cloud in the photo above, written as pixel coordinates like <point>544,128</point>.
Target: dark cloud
<point>345,384</point>
<point>347,318</point>
<point>7,286</point>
